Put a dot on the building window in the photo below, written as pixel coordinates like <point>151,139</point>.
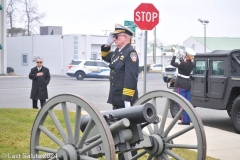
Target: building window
<point>75,42</point>
<point>75,38</point>
<point>167,50</point>
<point>24,59</point>
<point>94,56</point>
<point>75,56</point>
<point>75,51</point>
<point>75,46</point>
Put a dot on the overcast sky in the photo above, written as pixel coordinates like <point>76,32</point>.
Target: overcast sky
<point>178,18</point>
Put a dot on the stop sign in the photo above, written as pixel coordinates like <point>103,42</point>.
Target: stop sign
<point>146,16</point>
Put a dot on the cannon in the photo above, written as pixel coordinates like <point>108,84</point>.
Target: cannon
<point>90,134</point>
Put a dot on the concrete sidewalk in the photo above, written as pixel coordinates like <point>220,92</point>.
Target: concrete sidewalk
<point>221,144</point>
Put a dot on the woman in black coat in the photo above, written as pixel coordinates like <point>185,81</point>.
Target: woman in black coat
<point>40,77</point>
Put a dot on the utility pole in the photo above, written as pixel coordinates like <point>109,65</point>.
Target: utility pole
<point>106,32</point>
<point>204,22</point>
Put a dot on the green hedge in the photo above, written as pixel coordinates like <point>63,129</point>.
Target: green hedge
<point>10,70</point>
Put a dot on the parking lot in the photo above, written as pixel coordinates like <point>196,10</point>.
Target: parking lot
<point>15,93</point>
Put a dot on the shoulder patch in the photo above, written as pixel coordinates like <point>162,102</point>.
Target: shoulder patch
<point>133,56</point>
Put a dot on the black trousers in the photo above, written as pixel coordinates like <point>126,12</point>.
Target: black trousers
<point>120,155</point>
<point>35,101</point>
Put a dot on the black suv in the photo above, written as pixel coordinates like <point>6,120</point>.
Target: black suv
<point>216,83</point>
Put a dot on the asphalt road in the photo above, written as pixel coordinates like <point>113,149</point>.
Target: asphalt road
<point>15,93</point>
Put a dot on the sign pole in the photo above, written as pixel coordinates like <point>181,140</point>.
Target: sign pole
<point>145,63</point>
<point>146,17</point>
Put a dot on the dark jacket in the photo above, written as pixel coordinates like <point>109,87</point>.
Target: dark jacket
<point>184,68</point>
<point>124,67</point>
<point>39,84</point>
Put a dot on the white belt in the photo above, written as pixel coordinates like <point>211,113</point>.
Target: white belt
<point>183,76</point>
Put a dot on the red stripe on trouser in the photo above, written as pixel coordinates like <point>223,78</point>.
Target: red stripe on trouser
<point>182,117</point>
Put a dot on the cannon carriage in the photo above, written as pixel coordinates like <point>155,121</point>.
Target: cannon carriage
<point>90,134</point>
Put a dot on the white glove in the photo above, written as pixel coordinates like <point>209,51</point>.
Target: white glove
<point>127,104</point>
<point>110,39</point>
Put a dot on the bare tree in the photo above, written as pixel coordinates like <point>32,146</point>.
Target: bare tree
<point>32,18</point>
<point>12,12</point>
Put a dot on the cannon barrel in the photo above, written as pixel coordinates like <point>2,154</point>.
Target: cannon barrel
<point>136,114</point>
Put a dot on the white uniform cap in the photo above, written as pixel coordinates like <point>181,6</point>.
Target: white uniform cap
<point>122,29</point>
<point>190,51</point>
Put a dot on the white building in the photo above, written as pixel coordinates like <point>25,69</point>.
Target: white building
<point>212,43</point>
<point>163,54</point>
<point>57,51</point>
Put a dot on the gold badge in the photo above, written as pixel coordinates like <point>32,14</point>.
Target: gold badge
<point>133,56</point>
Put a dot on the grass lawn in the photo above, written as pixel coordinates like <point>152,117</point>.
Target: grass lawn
<point>15,133</point>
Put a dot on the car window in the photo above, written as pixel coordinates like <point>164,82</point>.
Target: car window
<point>200,67</point>
<point>217,67</point>
<point>89,63</point>
<point>101,64</point>
<point>76,62</point>
<point>157,65</point>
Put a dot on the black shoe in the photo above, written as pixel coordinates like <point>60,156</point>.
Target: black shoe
<point>35,108</point>
<point>182,123</point>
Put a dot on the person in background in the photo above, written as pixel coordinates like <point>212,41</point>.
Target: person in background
<point>124,65</point>
<point>183,82</point>
<point>40,77</point>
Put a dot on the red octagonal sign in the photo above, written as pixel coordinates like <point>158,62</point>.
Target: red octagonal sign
<point>146,16</point>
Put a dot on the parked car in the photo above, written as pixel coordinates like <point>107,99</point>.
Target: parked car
<point>169,72</point>
<point>156,67</point>
<point>88,69</point>
<point>215,84</point>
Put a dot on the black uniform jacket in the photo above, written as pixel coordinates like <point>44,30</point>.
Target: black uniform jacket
<point>124,67</point>
<point>184,68</point>
<point>39,84</point>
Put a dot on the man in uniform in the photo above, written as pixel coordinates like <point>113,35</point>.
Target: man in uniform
<point>124,65</point>
<point>183,82</point>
